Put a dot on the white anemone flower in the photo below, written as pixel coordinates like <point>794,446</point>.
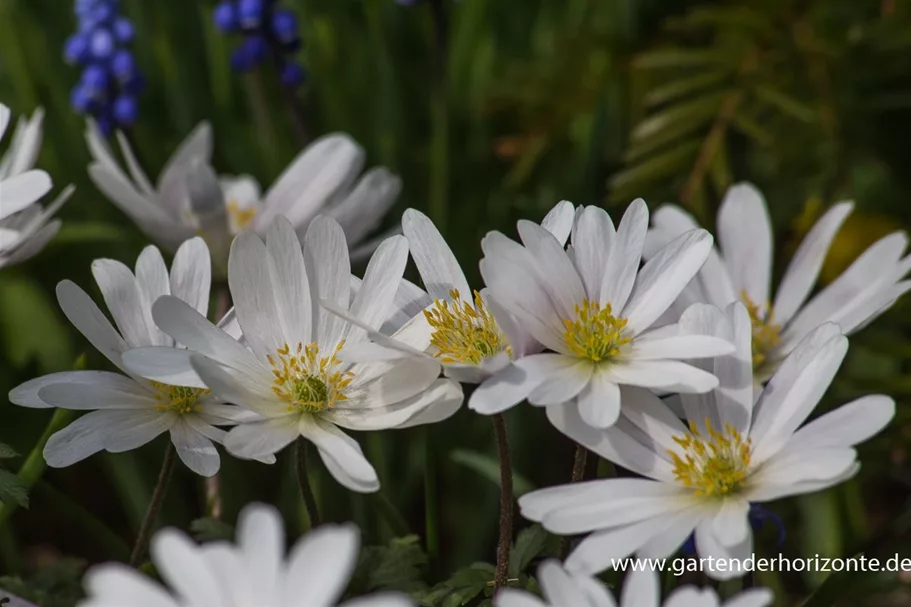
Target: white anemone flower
<point>466,331</point>
<point>562,588</point>
<point>190,200</point>
<point>593,307</point>
<point>704,477</point>
<point>254,571</point>
<point>290,374</point>
<point>128,411</point>
<point>25,226</point>
<point>742,269</point>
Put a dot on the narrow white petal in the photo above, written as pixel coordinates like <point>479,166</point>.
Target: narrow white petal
<point>558,586</point>
<point>386,413</point>
<point>112,391</point>
<point>163,364</point>
<point>261,540</point>
<point>124,301</point>
<point>559,220</point>
<point>641,589</point>
<point>194,449</point>
<point>341,454</point>
<point>191,274</point>
<point>232,387</point>
<point>662,374</point>
<point>375,300</point>
<point>731,523</point>
<point>591,252</point>
<point>26,394</point>
<point>293,296</point>
<point>625,254</point>
<point>328,269</point>
<point>514,383</point>
<point>561,280</point>
<point>152,280</point>
<point>250,274</point>
<point>320,564</point>
<point>733,557</point>
<point>20,191</point>
<point>255,440</point>
<point>680,347</point>
<point>804,268</point>
<point>361,211</point>
<point>117,584</point>
<point>562,383</point>
<point>754,597</point>
<point>847,425</point>
<point>802,466</point>
<point>599,401</point>
<point>182,565</point>
<point>80,310</point>
<point>745,237</point>
<point>440,270</point>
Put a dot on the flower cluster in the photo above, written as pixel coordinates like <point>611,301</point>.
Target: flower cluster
<point>270,32</point>
<point>110,82</point>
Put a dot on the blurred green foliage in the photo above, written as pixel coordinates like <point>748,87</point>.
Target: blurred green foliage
<point>595,101</point>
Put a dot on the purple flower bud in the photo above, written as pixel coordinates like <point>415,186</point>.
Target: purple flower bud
<point>95,79</point>
<point>123,30</point>
<point>293,75</point>
<point>225,17</point>
<point>81,99</point>
<point>284,26</point>
<point>250,13</point>
<point>126,109</point>
<point>102,44</point>
<point>123,64</point>
<point>76,50</point>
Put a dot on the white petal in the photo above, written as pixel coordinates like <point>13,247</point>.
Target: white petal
<point>191,274</point>
<point>680,347</point>
<point>112,430</point>
<point>328,267</point>
<point>250,274</point>
<point>802,466</point>
<point>194,449</point>
<point>20,191</point>
<point>136,172</point>
<point>510,597</point>
<point>163,364</point>
<point>362,210</point>
<point>754,597</point>
<point>152,280</point>
<point>255,440</point>
<point>292,291</point>
<point>26,394</point>
<point>690,596</point>
<point>182,565</point>
<point>90,321</point>
<point>375,299</point>
<point>341,454</point>
<point>641,589</point>
<point>804,268</point>
<point>559,220</point>
<point>591,252</point>
<point>847,425</point>
<point>558,586</point>
<point>320,565</point>
<point>124,301</point>
<point>662,374</point>
<point>439,269</point>
<point>514,383</point>
<point>562,383</point>
<point>781,411</point>
<point>391,413</point>
<point>728,559</point>
<point>663,277</point>
<point>112,391</point>
<point>734,395</point>
<point>261,538</point>
<point>445,406</point>
<point>561,280</point>
<point>731,524</point>
<point>625,254</point>
<point>115,583</point>
<point>745,237</point>
<point>646,412</point>
<point>599,401</point>
<point>383,599</point>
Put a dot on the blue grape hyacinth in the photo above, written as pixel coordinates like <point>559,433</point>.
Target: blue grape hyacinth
<point>270,33</point>
<point>110,82</point>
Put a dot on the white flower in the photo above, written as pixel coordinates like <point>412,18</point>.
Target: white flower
<point>189,199</point>
<point>466,331</point>
<point>593,307</point>
<point>742,270</point>
<point>704,477</point>
<point>562,588</point>
<point>291,375</point>
<point>131,411</point>
<point>254,571</point>
<point>24,227</point>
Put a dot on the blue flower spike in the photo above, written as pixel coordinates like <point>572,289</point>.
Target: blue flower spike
<point>271,33</point>
<point>110,78</point>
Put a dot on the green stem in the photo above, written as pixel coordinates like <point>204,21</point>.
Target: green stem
<point>391,515</point>
<point>431,505</point>
<point>161,489</point>
<point>501,577</point>
<point>303,480</point>
<point>34,464</point>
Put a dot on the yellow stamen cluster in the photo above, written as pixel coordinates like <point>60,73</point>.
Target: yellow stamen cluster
<point>240,217</point>
<point>306,381</point>
<point>464,332</point>
<point>179,399</point>
<point>713,464</point>
<point>595,334</point>
<point>766,334</point>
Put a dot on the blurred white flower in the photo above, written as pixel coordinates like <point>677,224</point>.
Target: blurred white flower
<point>254,571</point>
<point>466,331</point>
<point>189,199</point>
<point>562,588</point>
<point>705,476</point>
<point>594,308</point>
<point>24,227</point>
<point>131,411</point>
<point>290,373</point>
<point>742,271</point>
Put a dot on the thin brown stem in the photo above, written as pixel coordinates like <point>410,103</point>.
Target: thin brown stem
<point>161,489</point>
<point>501,577</point>
<point>578,475</point>
<point>303,480</point>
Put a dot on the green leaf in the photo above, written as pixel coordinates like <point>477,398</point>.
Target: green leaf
<point>679,57</point>
<point>87,232</point>
<point>7,452</point>
<point>698,110</point>
<point>785,103</point>
<point>57,584</point>
<point>30,327</point>
<point>12,489</point>
<point>463,587</point>
<point>660,165</point>
<point>684,87</point>
<point>399,565</point>
<point>208,530</point>
<point>529,544</point>
<point>489,468</point>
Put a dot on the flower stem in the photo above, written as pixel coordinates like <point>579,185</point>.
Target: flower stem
<point>303,480</point>
<point>214,505</point>
<point>578,475</point>
<point>431,505</point>
<point>506,499</point>
<point>161,488</point>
